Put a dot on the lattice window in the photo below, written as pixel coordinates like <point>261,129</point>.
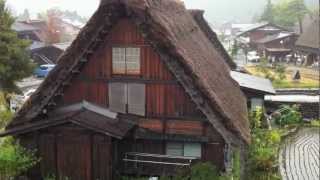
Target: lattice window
<point>126,61</point>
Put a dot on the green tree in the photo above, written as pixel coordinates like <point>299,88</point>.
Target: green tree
<point>15,63</point>
<point>288,12</point>
<point>288,115</point>
<point>14,159</point>
<point>268,15</point>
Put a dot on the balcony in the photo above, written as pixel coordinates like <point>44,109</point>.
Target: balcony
<point>145,164</point>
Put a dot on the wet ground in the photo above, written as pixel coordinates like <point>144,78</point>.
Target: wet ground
<point>300,156</point>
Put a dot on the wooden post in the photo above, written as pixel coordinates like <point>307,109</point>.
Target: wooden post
<point>243,161</point>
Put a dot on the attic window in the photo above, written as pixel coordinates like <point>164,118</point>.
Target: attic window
<point>126,61</point>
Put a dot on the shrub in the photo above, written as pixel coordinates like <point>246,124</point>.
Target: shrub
<point>315,123</point>
<point>288,115</point>
<point>263,152</point>
<point>256,118</point>
<point>14,159</point>
<point>280,72</point>
<point>199,171</point>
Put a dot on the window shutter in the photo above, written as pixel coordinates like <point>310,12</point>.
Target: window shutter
<point>192,149</point>
<point>136,99</point>
<point>133,60</point>
<point>118,97</point>
<point>174,149</point>
<point>118,60</point>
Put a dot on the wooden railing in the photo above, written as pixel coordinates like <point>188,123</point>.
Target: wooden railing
<point>155,164</point>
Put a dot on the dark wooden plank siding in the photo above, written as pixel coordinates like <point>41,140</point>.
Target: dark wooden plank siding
<point>102,157</point>
<point>164,96</point>
<point>47,152</point>
<point>74,156</point>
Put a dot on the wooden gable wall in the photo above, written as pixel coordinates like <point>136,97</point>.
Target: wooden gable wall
<point>164,96</point>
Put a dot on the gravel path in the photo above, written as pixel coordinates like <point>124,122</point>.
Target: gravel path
<point>300,156</point>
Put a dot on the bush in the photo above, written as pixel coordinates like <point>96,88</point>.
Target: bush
<point>14,159</point>
<point>263,152</point>
<point>5,114</point>
<point>288,115</point>
<point>256,118</point>
<point>199,171</point>
<point>315,123</point>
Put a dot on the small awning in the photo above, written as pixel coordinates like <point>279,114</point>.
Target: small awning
<point>85,115</point>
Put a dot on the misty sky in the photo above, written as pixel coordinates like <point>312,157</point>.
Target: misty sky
<point>216,10</point>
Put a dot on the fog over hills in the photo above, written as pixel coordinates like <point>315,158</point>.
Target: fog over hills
<point>217,11</point>
<point>241,11</point>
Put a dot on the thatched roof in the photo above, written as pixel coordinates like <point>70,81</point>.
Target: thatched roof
<point>173,33</point>
<point>212,36</point>
<point>309,39</point>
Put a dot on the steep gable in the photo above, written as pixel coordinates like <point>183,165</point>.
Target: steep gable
<point>184,48</point>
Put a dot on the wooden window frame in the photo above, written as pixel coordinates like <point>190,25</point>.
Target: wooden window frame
<point>125,55</point>
<point>127,98</point>
<point>183,148</point>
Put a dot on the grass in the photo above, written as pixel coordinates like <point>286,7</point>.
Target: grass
<point>309,78</point>
<point>315,123</point>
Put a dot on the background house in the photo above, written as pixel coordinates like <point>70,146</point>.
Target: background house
<point>308,43</point>
<point>277,46</point>
<point>30,30</point>
<point>48,54</point>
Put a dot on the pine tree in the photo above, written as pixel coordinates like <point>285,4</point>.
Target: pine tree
<point>15,63</point>
<point>267,15</point>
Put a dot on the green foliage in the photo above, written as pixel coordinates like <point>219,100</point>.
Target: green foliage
<point>285,13</point>
<point>280,71</point>
<point>15,63</point>
<point>263,68</point>
<point>14,159</point>
<point>263,152</point>
<point>236,166</point>
<point>5,113</point>
<point>288,115</point>
<point>256,118</point>
<point>267,15</point>
<point>315,123</point>
<point>276,74</point>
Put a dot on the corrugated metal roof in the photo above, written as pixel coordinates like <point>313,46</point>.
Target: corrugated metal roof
<point>253,82</point>
<point>293,98</point>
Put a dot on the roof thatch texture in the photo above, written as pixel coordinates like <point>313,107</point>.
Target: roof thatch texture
<point>171,30</point>
<point>212,36</point>
<point>310,37</point>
